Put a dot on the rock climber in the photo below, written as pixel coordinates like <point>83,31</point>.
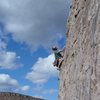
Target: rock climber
<point>58,56</point>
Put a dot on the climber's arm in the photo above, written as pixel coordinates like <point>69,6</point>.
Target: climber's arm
<point>62,50</point>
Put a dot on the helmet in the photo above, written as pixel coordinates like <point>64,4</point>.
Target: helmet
<point>54,48</point>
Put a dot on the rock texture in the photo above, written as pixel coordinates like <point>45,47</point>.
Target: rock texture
<point>80,72</point>
<point>15,96</point>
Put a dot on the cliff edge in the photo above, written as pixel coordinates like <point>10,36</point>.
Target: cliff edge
<point>80,72</point>
<point>16,96</point>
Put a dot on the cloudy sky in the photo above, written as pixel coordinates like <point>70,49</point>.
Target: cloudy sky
<point>28,30</point>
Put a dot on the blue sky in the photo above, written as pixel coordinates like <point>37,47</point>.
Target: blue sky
<point>28,30</point>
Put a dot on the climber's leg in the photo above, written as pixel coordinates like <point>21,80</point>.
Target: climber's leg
<point>60,62</point>
<point>57,62</point>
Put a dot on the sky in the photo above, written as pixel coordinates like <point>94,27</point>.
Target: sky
<point>28,30</point>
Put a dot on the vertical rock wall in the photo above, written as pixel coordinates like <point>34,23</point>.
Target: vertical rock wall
<point>80,72</point>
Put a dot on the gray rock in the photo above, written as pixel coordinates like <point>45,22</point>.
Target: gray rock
<point>80,72</point>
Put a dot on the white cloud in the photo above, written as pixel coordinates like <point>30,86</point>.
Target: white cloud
<point>6,80</point>
<point>49,91</point>
<point>2,45</point>
<point>38,96</point>
<point>42,70</point>
<point>8,59</point>
<point>39,89</point>
<point>25,88</point>
<point>44,91</point>
<point>35,22</point>
<point>7,83</point>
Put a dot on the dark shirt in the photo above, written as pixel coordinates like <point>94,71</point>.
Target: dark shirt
<point>57,54</point>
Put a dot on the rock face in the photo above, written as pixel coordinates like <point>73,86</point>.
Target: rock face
<point>80,72</point>
<point>15,96</point>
